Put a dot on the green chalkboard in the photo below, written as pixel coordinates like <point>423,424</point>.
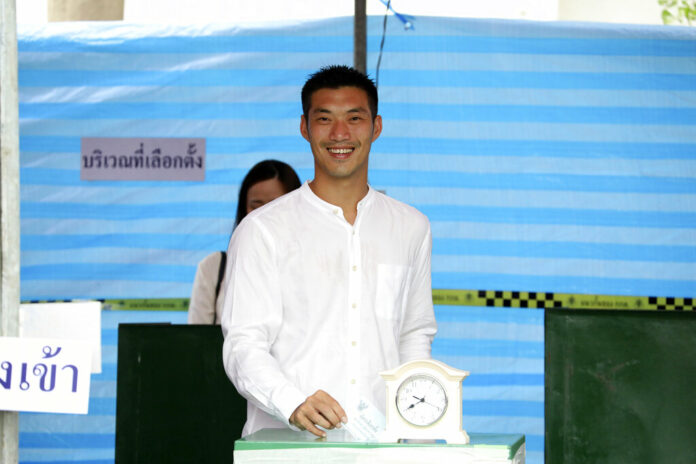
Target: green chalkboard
<point>619,386</point>
<point>174,402</point>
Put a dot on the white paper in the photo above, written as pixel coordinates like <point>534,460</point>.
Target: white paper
<point>44,375</point>
<point>365,421</point>
<point>80,320</point>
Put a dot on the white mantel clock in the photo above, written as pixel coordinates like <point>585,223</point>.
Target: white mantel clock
<point>424,402</point>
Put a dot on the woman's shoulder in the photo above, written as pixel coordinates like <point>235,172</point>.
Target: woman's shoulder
<point>210,262</point>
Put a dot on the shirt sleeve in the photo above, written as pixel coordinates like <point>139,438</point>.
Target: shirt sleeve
<point>251,318</point>
<point>201,308</point>
<point>419,327</point>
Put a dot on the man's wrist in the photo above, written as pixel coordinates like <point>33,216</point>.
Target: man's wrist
<point>286,400</point>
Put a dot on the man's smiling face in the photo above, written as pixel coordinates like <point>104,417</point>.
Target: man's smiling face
<point>340,130</point>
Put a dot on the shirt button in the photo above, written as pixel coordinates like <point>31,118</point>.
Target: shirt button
<point>354,343</point>
<point>335,211</point>
<point>355,305</point>
<point>352,381</point>
<point>355,268</point>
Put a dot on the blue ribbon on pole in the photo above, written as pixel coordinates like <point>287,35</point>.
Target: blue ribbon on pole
<point>406,19</point>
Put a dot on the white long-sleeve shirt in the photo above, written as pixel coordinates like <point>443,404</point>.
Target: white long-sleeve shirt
<point>313,302</point>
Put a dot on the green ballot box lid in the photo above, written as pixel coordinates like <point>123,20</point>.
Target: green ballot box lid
<point>483,446</point>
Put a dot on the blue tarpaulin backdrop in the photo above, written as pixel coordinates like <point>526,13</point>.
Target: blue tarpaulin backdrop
<point>549,157</point>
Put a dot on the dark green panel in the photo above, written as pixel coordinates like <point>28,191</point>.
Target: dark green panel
<point>174,402</point>
<point>620,386</point>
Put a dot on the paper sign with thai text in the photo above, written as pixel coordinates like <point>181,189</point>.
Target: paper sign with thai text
<point>73,320</point>
<point>122,158</point>
<point>44,375</point>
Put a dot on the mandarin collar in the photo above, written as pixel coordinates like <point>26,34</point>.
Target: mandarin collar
<point>312,197</point>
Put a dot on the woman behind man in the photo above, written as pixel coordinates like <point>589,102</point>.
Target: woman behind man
<point>264,182</point>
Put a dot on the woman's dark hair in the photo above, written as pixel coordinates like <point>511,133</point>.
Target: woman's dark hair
<point>265,170</point>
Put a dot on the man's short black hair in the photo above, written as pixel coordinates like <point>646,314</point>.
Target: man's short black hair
<point>334,77</point>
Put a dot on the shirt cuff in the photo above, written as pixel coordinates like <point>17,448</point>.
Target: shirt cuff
<point>286,399</point>
<point>414,353</point>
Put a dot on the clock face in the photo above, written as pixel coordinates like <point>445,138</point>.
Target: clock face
<point>421,400</point>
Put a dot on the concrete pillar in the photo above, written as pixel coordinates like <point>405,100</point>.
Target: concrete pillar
<point>85,10</point>
<point>9,208</point>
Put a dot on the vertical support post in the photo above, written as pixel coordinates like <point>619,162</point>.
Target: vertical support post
<point>9,208</point>
<point>360,37</point>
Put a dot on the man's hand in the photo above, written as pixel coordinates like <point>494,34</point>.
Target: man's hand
<point>319,409</point>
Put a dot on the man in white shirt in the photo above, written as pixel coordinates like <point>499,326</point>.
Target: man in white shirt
<point>330,284</point>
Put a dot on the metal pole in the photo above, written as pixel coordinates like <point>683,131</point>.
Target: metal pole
<point>9,208</point>
<point>360,37</point>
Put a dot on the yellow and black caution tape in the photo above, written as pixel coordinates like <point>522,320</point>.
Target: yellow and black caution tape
<point>133,304</point>
<point>548,300</point>
<point>148,304</point>
<point>492,298</point>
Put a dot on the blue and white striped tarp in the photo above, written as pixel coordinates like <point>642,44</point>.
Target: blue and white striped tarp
<point>549,157</point>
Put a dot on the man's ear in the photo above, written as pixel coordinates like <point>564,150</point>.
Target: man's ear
<point>304,130</point>
<point>376,127</point>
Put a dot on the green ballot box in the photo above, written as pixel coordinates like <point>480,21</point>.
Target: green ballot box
<point>287,446</point>
<point>174,401</point>
<point>620,386</point>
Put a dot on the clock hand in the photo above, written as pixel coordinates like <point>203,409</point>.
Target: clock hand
<point>420,400</point>
<point>431,404</point>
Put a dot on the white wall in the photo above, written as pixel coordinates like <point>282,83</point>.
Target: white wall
<point>240,10</point>
<point>32,11</point>
<point>611,11</point>
<point>225,11</point>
